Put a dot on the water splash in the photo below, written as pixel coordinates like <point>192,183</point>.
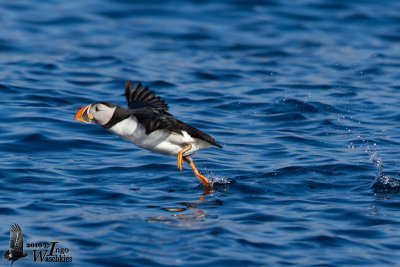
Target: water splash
<point>382,184</point>
<point>386,185</point>
<point>370,149</point>
<point>218,181</point>
<point>374,157</point>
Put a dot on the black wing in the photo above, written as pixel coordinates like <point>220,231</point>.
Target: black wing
<point>16,238</point>
<point>143,98</point>
<point>155,121</point>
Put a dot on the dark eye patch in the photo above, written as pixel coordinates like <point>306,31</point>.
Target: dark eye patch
<point>96,108</point>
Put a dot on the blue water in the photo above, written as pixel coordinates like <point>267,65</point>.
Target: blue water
<point>303,95</point>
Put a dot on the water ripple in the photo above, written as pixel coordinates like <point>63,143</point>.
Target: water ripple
<point>302,94</point>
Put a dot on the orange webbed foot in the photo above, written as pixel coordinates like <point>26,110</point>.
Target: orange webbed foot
<point>206,183</point>
<point>180,156</point>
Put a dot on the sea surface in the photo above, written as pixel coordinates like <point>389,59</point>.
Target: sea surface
<point>304,96</point>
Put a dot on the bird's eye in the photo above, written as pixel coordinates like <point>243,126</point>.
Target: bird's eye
<point>96,108</point>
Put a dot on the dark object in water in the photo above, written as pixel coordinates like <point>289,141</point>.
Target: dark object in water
<point>386,185</point>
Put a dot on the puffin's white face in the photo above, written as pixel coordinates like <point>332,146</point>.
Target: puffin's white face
<point>99,113</point>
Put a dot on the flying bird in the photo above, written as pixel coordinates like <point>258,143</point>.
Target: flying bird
<point>16,249</point>
<point>147,124</point>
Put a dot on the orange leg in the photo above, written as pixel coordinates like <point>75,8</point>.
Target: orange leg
<point>180,158</point>
<point>202,179</point>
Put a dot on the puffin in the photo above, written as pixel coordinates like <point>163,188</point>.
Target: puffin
<point>148,124</point>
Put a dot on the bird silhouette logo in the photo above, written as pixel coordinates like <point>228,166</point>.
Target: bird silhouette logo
<point>16,250</point>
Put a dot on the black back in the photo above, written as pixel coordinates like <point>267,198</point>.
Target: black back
<point>155,121</point>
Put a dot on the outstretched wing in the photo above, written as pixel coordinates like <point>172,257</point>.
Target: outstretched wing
<point>16,239</point>
<point>143,98</point>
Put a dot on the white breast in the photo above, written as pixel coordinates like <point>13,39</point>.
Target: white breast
<point>159,141</point>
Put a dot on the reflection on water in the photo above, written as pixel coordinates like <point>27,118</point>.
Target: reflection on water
<point>193,215</point>
<point>194,212</point>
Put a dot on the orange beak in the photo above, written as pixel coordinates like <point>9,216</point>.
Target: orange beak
<point>78,115</point>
